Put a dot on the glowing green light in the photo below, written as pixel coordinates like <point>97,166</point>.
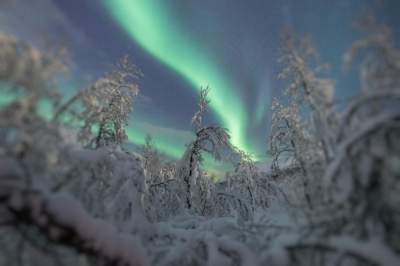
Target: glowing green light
<point>147,22</point>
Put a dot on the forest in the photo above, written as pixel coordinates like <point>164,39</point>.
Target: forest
<point>72,192</point>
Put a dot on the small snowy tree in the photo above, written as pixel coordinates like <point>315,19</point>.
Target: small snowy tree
<point>160,200</point>
<point>26,70</point>
<point>151,159</point>
<point>211,139</point>
<point>295,140</point>
<point>241,186</point>
<point>104,107</point>
<point>312,94</point>
<point>107,104</point>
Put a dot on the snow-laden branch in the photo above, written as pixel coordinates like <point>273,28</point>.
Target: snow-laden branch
<point>365,99</point>
<point>219,250</point>
<point>372,250</point>
<point>62,220</point>
<point>369,251</point>
<point>368,128</point>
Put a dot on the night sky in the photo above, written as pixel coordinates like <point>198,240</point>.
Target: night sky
<point>181,45</point>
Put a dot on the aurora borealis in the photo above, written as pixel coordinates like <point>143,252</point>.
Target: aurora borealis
<point>148,23</point>
<point>181,45</point>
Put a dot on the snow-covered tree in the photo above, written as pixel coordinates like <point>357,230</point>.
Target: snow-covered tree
<point>302,132</point>
<point>363,175</point>
<point>107,105</point>
<point>26,70</point>
<point>211,139</point>
<point>161,199</point>
<point>104,106</point>
<point>312,94</point>
<point>151,159</point>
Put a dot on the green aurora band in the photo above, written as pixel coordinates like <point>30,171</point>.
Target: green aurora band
<point>148,23</point>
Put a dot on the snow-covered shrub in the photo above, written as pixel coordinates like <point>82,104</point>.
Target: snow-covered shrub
<point>163,198</point>
<point>61,221</point>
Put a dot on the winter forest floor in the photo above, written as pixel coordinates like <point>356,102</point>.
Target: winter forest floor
<point>71,194</point>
